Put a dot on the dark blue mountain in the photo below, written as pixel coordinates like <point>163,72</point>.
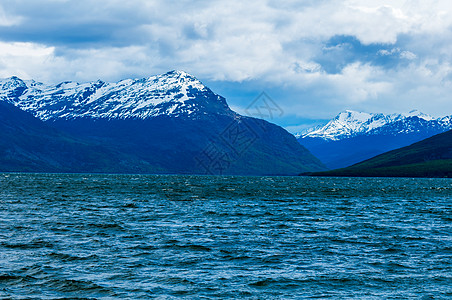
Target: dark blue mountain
<point>170,123</point>
<point>431,157</point>
<point>352,137</point>
<point>27,144</point>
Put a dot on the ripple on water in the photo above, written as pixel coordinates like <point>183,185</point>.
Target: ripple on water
<point>132,236</point>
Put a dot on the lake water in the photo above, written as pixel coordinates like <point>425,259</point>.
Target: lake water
<point>136,236</point>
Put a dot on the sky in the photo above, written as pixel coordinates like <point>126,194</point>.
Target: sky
<point>313,58</point>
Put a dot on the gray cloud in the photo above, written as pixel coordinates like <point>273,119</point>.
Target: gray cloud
<point>73,23</point>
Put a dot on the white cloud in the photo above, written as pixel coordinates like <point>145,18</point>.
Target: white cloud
<point>400,53</point>
<point>23,59</point>
<point>40,62</point>
<point>25,50</point>
<point>408,55</point>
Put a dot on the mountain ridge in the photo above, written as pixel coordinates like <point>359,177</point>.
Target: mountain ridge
<point>174,93</point>
<point>352,137</point>
<point>169,124</point>
<point>351,123</point>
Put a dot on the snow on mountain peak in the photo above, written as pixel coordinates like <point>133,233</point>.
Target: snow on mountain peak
<point>351,123</point>
<point>12,87</point>
<point>353,116</point>
<point>11,83</point>
<point>173,93</point>
<point>347,123</point>
<point>417,113</point>
<point>176,78</point>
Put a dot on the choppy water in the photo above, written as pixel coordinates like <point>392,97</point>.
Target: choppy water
<point>131,236</point>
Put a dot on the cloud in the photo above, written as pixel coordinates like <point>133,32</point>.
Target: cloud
<point>397,52</point>
<point>8,20</point>
<point>318,57</point>
<point>22,59</point>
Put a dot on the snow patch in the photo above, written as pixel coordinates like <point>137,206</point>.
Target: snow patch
<point>172,93</point>
<point>352,123</point>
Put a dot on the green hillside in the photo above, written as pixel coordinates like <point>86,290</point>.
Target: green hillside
<point>431,157</point>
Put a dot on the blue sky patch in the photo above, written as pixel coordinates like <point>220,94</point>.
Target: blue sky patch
<point>340,51</point>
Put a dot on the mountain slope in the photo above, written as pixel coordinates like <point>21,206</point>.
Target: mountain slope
<point>169,123</point>
<point>431,157</point>
<point>29,145</point>
<point>352,137</point>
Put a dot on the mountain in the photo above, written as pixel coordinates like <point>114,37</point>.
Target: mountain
<point>352,136</point>
<point>174,94</point>
<point>431,157</point>
<point>169,123</point>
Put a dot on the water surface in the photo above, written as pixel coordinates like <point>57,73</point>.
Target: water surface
<point>136,236</point>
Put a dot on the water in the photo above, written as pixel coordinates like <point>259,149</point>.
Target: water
<point>132,236</point>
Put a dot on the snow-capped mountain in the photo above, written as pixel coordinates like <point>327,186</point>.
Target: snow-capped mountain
<point>168,123</point>
<point>352,137</point>
<point>350,123</point>
<point>175,93</point>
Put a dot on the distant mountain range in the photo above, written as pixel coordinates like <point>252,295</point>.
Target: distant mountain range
<point>169,123</point>
<point>431,157</point>
<point>352,137</point>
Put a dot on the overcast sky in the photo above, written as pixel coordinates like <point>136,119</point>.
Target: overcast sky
<point>314,58</point>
